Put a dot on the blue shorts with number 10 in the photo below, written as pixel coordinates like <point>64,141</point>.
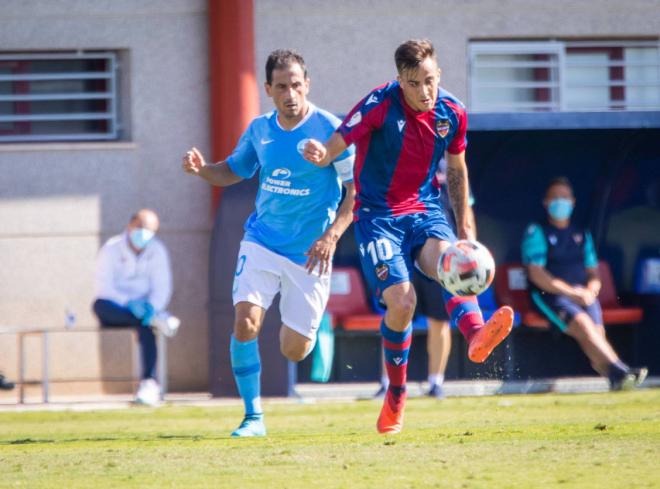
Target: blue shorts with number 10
<point>389,245</point>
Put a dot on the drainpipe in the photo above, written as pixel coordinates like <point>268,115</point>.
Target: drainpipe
<point>234,97</point>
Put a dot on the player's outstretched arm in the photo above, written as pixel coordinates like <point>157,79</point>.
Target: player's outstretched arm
<point>323,154</point>
<point>459,191</point>
<point>323,249</point>
<point>218,174</point>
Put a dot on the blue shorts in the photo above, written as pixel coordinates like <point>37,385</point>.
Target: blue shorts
<point>389,245</point>
<point>560,310</point>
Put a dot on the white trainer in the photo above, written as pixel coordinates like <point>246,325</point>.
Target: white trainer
<point>148,393</point>
<point>166,323</point>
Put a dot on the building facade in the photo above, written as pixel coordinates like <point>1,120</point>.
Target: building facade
<point>64,191</point>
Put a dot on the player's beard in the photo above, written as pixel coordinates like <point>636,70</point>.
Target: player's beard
<point>294,110</point>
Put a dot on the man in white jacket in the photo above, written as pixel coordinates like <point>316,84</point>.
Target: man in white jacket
<point>133,288</point>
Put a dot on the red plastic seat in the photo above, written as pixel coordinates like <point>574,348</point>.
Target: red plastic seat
<point>348,303</point>
<point>613,312</point>
<point>511,289</point>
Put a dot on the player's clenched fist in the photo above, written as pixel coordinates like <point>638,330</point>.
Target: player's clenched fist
<point>314,151</point>
<point>193,161</point>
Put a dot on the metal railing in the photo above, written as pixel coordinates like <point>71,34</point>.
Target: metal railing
<point>564,76</point>
<point>45,381</point>
<point>29,82</point>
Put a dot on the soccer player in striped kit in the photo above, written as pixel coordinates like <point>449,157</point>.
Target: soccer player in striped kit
<point>401,131</point>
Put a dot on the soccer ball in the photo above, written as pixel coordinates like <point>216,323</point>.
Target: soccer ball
<point>466,268</point>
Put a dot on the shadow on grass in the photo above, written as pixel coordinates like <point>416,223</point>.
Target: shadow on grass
<point>37,441</point>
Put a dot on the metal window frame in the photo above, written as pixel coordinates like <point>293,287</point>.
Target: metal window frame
<point>551,48</point>
<point>560,49</point>
<point>110,95</point>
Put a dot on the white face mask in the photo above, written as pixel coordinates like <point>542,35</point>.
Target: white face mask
<point>140,237</point>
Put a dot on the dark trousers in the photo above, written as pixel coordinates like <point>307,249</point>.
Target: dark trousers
<point>112,315</point>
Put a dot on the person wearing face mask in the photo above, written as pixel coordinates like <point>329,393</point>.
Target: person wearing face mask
<point>133,288</point>
<point>562,268</point>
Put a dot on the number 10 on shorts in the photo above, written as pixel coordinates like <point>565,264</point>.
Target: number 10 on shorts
<point>379,250</point>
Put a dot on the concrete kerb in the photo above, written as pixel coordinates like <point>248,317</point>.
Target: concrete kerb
<point>337,392</point>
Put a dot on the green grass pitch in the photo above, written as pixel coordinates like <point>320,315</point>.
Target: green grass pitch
<point>568,441</point>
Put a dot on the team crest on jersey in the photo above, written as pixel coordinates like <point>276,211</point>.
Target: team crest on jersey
<point>442,127</point>
<point>382,271</point>
<point>577,237</point>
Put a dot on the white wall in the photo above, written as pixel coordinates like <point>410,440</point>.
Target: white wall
<point>58,202</point>
<point>349,45</point>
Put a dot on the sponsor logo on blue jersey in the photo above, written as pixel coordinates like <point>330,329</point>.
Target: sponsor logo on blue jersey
<point>282,173</point>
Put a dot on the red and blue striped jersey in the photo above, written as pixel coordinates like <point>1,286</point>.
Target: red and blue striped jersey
<point>398,150</point>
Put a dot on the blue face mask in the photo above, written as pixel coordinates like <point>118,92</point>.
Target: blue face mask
<point>140,237</point>
<point>560,209</point>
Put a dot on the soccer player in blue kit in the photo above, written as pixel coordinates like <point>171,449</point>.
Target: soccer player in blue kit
<point>401,131</point>
<point>290,238</point>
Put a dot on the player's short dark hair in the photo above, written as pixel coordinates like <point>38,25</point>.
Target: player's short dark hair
<point>561,180</point>
<point>282,58</point>
<point>412,52</point>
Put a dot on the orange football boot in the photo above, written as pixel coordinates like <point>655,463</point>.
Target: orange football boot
<point>391,421</point>
<point>496,329</point>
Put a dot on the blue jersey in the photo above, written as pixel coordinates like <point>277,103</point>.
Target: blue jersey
<point>297,201</point>
<point>398,150</point>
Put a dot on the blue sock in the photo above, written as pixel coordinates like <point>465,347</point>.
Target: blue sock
<point>246,365</point>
